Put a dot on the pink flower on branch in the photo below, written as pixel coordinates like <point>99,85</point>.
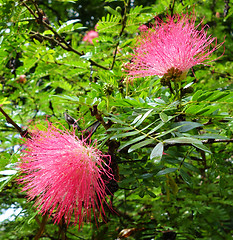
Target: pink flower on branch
<point>176,44</point>
<point>64,175</point>
<point>90,36</point>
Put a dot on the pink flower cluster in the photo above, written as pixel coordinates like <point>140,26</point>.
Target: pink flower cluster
<point>176,43</point>
<point>90,36</point>
<point>64,175</point>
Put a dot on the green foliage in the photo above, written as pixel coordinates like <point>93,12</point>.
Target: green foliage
<point>173,154</point>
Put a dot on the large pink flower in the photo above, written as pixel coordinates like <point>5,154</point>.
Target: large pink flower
<point>64,175</point>
<point>173,44</point>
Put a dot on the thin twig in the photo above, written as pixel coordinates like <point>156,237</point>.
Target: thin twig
<point>217,141</point>
<point>172,7</point>
<point>98,116</point>
<point>123,22</point>
<point>29,9</point>
<point>23,133</point>
<point>42,227</point>
<point>60,40</point>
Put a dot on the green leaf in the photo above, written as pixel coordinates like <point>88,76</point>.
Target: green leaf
<point>182,140</point>
<point>186,177</point>
<point>155,128</point>
<point>157,153</point>
<point>166,171</point>
<point>146,175</point>
<point>143,118</point>
<point>168,131</point>
<point>204,96</point>
<point>127,181</point>
<point>48,32</point>
<point>117,120</point>
<point>136,119</point>
<point>73,98</point>
<point>4,178</point>
<point>196,95</point>
<point>9,179</point>
<point>207,110</point>
<point>150,193</point>
<point>112,11</point>
<point>127,134</point>
<point>141,194</point>
<point>217,96</point>
<point>119,129</point>
<point>163,117</point>
<point>202,147</point>
<point>131,142</point>
<point>109,24</point>
<point>191,167</point>
<point>210,136</point>
<point>33,216</point>
<point>187,126</point>
<point>4,101</point>
<point>140,145</point>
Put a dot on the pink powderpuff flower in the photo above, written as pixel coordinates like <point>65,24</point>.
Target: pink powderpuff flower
<point>90,36</point>
<point>173,44</point>
<point>66,176</point>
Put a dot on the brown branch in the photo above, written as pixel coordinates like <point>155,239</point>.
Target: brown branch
<point>60,40</point>
<point>217,141</point>
<point>123,22</point>
<point>23,133</point>
<point>56,13</point>
<point>29,9</point>
<point>42,227</point>
<point>98,116</point>
<point>172,5</point>
<point>62,229</point>
<point>67,47</point>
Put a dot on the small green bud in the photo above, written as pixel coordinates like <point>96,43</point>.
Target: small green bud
<point>108,89</point>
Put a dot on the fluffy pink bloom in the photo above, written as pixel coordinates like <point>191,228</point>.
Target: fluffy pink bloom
<point>175,43</point>
<point>64,175</point>
<point>90,36</point>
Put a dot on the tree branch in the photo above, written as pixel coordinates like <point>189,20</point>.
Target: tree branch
<point>42,227</point>
<point>98,116</point>
<point>23,133</point>
<point>123,22</point>
<point>60,40</point>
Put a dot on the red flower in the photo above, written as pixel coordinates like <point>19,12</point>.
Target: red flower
<point>63,173</point>
<point>90,36</point>
<point>173,44</point>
